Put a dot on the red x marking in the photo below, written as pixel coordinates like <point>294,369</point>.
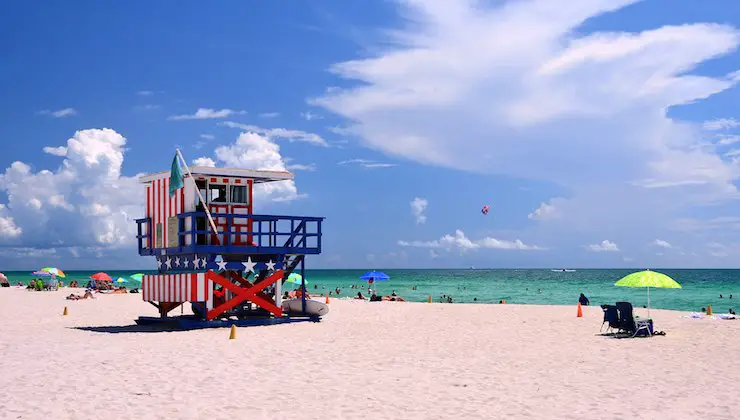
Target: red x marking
<point>245,293</point>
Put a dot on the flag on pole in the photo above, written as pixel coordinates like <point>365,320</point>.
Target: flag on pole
<point>176,177</point>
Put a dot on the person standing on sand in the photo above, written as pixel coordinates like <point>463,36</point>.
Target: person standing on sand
<point>583,300</point>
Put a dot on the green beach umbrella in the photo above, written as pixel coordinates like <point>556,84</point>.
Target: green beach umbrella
<point>137,276</point>
<point>648,279</point>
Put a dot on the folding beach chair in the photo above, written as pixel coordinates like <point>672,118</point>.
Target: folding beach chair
<point>611,318</point>
<point>627,322</point>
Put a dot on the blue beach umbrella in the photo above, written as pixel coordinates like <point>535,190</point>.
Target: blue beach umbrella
<point>373,276</point>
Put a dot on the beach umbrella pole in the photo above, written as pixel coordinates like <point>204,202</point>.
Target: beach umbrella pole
<point>648,301</point>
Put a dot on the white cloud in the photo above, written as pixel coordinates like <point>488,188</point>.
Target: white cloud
<point>309,116</point>
<point>545,212</point>
<point>662,244</point>
<point>342,131</point>
<point>418,206</point>
<point>282,133</point>
<point>725,140</point>
<point>460,242</point>
<point>368,164</point>
<point>8,228</point>
<point>604,246</point>
<point>206,113</point>
<point>584,111</point>
<point>145,93</point>
<point>58,200</point>
<point>255,151</point>
<point>723,223</point>
<point>60,113</point>
<point>89,206</point>
<point>434,254</point>
<point>204,161</point>
<point>370,258</point>
<point>269,115</point>
<point>56,151</point>
<point>95,209</point>
<point>300,167</point>
<point>90,173</point>
<point>28,252</point>
<point>721,124</point>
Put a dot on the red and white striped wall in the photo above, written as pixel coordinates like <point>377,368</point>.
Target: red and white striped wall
<point>187,287</point>
<point>160,206</point>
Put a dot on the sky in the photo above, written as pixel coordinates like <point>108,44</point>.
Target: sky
<point>601,133</point>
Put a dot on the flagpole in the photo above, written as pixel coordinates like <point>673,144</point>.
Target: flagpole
<point>197,191</point>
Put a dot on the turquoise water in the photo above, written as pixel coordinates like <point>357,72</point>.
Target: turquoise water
<point>700,287</point>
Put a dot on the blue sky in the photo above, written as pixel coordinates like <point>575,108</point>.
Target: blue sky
<point>602,133</point>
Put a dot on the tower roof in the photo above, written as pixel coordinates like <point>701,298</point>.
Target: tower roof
<point>259,176</point>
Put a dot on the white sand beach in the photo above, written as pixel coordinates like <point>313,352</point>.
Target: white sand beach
<point>364,360</point>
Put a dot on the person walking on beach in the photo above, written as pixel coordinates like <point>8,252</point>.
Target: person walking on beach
<point>583,300</point>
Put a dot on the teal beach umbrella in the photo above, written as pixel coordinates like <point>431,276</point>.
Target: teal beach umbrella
<point>296,278</point>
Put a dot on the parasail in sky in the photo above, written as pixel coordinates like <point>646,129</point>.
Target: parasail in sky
<point>485,209</point>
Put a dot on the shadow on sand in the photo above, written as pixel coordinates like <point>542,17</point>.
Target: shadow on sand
<point>122,329</point>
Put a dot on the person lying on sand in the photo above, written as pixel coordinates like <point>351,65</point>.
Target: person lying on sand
<point>87,295</point>
<point>394,298</point>
<point>360,297</point>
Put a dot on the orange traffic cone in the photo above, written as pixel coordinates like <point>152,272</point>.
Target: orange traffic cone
<point>429,299</point>
<point>709,309</point>
<point>232,333</point>
<point>580,311</point>
<point>327,298</point>
<point>66,312</point>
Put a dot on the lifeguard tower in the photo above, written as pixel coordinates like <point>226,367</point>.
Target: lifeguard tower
<point>214,252</point>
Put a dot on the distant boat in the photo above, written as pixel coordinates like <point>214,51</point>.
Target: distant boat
<point>563,270</point>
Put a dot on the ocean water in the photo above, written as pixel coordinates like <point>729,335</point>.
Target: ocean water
<point>526,286</point>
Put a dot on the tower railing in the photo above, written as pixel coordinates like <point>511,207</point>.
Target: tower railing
<point>238,234</point>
